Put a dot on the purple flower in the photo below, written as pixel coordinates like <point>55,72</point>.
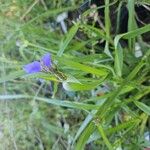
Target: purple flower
<point>46,59</point>
<point>32,67</point>
<point>36,66</point>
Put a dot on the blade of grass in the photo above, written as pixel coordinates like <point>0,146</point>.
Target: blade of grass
<point>107,27</point>
<point>118,60</point>
<point>68,38</point>
<point>118,49</point>
<point>12,76</point>
<point>81,86</point>
<point>82,67</point>
<point>143,107</point>
<point>102,133</point>
<point>62,103</point>
<point>131,34</point>
<point>131,23</point>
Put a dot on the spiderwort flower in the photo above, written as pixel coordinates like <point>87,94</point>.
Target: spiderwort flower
<point>32,67</point>
<point>46,59</point>
<point>36,66</point>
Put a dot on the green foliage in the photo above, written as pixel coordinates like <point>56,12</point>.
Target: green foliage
<point>98,95</point>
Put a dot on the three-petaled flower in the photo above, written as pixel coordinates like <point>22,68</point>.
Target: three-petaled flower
<point>43,65</point>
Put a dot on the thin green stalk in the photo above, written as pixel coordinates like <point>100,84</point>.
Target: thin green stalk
<point>118,17</point>
<point>131,23</point>
<point>102,133</point>
<point>107,18</point>
<point>107,27</point>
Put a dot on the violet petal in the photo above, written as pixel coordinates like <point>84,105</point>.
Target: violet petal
<point>33,67</point>
<point>46,59</point>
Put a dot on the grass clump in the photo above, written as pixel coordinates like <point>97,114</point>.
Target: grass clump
<point>95,95</point>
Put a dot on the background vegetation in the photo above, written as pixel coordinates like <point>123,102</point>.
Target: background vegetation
<point>101,98</point>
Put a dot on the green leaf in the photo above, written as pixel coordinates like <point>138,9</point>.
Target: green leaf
<point>131,19</point>
<point>107,28</point>
<point>82,67</point>
<point>118,48</point>
<point>69,86</point>
<point>69,37</point>
<point>10,97</point>
<point>63,103</point>
<point>102,133</point>
<point>118,60</point>
<point>12,76</point>
<point>143,107</point>
<point>84,136</point>
<point>83,126</point>
<point>131,34</point>
<point>103,110</point>
<point>107,19</point>
<point>41,75</point>
<point>95,31</point>
<point>122,126</point>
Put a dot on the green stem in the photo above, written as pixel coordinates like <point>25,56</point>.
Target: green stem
<point>102,133</point>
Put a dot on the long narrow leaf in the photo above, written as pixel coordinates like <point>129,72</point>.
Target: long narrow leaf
<point>143,107</point>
